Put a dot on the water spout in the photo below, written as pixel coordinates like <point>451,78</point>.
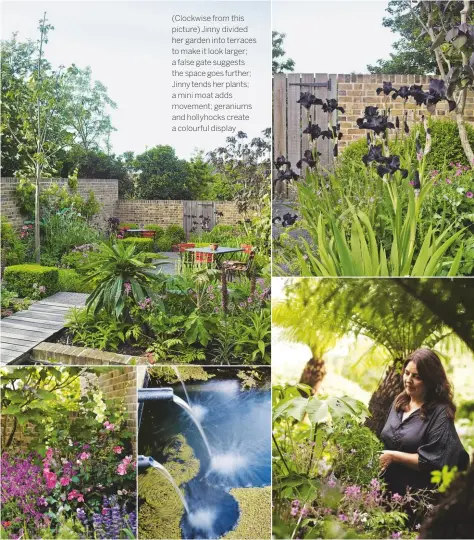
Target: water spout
<point>188,409</point>
<point>143,460</point>
<point>183,385</point>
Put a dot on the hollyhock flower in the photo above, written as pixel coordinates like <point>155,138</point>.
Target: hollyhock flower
<point>51,479</point>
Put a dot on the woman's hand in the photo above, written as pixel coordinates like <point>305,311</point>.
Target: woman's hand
<point>385,459</point>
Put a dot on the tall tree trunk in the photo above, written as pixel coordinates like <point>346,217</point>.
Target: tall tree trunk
<point>382,398</point>
<point>453,517</point>
<point>37,217</point>
<point>313,373</point>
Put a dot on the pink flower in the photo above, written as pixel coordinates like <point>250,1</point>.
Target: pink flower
<point>109,426</point>
<point>127,286</point>
<point>49,454</point>
<point>448,181</point>
<point>74,494</point>
<point>118,449</point>
<point>51,479</point>
<point>469,194</point>
<point>122,469</point>
<point>84,455</point>
<point>397,498</point>
<point>42,289</point>
<point>65,481</point>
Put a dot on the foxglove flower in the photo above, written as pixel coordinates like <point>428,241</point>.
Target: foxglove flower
<point>307,100</point>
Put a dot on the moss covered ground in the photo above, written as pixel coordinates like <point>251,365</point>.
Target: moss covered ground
<point>161,510</point>
<point>255,521</point>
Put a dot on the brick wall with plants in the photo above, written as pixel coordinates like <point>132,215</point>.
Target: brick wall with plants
<point>121,385</point>
<point>164,213</point>
<point>355,92</point>
<point>105,191</point>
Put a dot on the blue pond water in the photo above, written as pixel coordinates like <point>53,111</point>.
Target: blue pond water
<point>238,427</point>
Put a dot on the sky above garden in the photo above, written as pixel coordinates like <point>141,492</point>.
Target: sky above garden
<point>128,47</point>
<point>340,36</point>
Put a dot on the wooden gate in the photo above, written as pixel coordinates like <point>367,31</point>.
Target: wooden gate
<point>198,216</point>
<point>290,118</point>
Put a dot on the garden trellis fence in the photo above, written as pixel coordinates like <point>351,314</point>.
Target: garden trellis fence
<point>290,118</point>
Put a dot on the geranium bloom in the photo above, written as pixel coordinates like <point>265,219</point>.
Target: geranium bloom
<point>51,479</point>
<point>469,194</point>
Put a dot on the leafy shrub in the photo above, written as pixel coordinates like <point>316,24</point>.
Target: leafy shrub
<point>175,233</point>
<point>78,257</point>
<point>127,226</point>
<point>72,281</point>
<point>100,331</point>
<point>13,249</point>
<point>56,198</point>
<point>164,244</point>
<point>446,145</point>
<point>123,277</point>
<point>31,279</point>
<point>159,231</point>
<point>63,231</point>
<point>141,244</point>
<point>355,457</point>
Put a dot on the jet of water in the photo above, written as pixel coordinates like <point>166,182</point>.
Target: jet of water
<point>168,476</point>
<point>197,423</point>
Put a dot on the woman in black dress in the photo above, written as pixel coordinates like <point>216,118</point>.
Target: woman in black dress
<point>419,435</point>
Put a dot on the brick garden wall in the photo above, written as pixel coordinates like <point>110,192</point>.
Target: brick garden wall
<point>163,213</point>
<point>106,192</point>
<point>355,92</point>
<point>138,211</point>
<point>118,384</point>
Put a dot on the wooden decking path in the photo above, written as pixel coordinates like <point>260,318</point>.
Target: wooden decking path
<point>22,331</point>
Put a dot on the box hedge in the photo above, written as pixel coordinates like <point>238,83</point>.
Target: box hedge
<point>127,226</point>
<point>25,279</point>
<point>141,244</point>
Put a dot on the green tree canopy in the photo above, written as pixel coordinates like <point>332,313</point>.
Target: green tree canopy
<point>279,64</point>
<point>162,175</point>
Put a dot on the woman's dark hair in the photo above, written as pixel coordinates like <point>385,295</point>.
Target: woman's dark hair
<point>438,388</point>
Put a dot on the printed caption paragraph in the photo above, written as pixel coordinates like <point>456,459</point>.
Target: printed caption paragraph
<point>211,83</point>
